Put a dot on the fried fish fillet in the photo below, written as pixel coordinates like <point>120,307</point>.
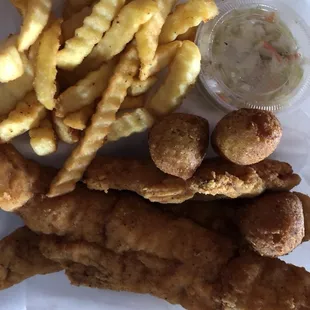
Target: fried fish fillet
<point>252,282</point>
<point>21,258</point>
<point>215,177</point>
<point>135,271</point>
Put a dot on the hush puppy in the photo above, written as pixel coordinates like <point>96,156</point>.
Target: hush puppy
<point>247,136</point>
<point>273,224</point>
<point>178,144</point>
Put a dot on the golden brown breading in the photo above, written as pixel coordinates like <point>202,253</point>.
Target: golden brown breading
<point>215,177</point>
<point>247,136</point>
<point>273,224</point>
<point>21,258</point>
<point>79,215</point>
<point>252,282</point>
<point>135,271</point>
<point>305,200</point>
<point>18,178</point>
<point>178,144</point>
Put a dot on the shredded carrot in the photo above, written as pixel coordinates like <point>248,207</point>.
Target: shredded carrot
<point>270,48</point>
<point>271,17</point>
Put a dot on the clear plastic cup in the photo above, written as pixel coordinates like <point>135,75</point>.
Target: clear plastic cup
<point>268,92</point>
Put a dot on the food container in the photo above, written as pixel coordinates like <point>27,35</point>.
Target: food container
<point>255,54</point>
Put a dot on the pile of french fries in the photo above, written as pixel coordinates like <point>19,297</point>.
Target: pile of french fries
<point>91,76</point>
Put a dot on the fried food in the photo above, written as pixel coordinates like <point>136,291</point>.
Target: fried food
<point>148,35</point>
<point>141,87</point>
<point>247,136</point>
<point>163,57</point>
<point>75,21</point>
<point>87,36</point>
<point>64,132</point>
<point>124,27</point>
<point>253,283</point>
<point>11,64</point>
<point>185,16</point>
<point>132,122</point>
<point>35,19</point>
<point>45,71</point>
<point>273,224</point>
<point>27,114</point>
<point>43,138</point>
<point>21,258</point>
<point>215,177</point>
<point>306,208</point>
<point>182,75</point>
<point>19,179</point>
<point>190,35</point>
<point>14,91</point>
<point>98,130</point>
<point>86,91</point>
<point>79,119</point>
<point>21,6</point>
<point>178,144</point>
<point>89,265</point>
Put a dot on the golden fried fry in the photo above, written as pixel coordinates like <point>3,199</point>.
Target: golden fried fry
<point>45,76</point>
<point>163,57</point>
<point>21,6</point>
<point>27,114</point>
<point>69,26</point>
<point>95,134</point>
<point>189,35</point>
<point>65,133</point>
<point>182,74</point>
<point>147,37</point>
<point>87,36</point>
<point>186,16</point>
<point>139,87</point>
<point>130,123</point>
<point>11,65</point>
<point>14,91</point>
<point>35,20</point>
<point>85,91</point>
<point>122,31</point>
<point>132,102</point>
<point>43,138</point>
<point>79,119</point>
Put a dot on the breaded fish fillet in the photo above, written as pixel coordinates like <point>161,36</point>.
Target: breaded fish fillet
<point>215,177</point>
<point>252,282</point>
<point>21,258</point>
<point>135,271</point>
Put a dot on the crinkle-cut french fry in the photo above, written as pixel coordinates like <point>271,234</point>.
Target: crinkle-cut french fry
<point>131,102</point>
<point>163,57</point>
<point>130,123</point>
<point>11,65</point>
<point>86,91</point>
<point>189,35</point>
<point>98,130</point>
<point>186,16</point>
<point>43,138</point>
<point>45,69</point>
<point>69,26</point>
<point>65,133</point>
<point>21,6</point>
<point>36,18</point>
<point>148,35</point>
<point>182,74</point>
<point>14,91</point>
<point>27,114</point>
<point>79,119</point>
<point>122,31</point>
<point>139,87</point>
<point>87,36</point>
